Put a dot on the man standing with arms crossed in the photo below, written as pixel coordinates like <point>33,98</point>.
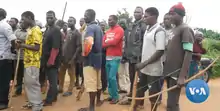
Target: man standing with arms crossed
<point>92,52</point>
<point>51,53</point>
<point>112,41</point>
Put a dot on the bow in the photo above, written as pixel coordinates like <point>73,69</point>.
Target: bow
<point>171,88</point>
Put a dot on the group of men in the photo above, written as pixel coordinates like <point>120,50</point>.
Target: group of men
<point>101,58</point>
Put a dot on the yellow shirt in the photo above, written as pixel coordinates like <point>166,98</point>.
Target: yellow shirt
<point>32,58</point>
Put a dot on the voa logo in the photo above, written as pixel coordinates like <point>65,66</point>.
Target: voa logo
<point>194,90</point>
<point>197,91</point>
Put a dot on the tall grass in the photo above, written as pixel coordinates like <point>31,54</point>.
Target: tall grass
<point>213,50</point>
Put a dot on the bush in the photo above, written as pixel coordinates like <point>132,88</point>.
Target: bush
<point>213,50</point>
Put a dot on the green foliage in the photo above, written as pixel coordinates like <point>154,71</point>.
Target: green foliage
<point>210,34</point>
<point>124,14</point>
<point>213,50</point>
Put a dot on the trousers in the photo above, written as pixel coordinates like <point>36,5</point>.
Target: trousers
<point>32,87</point>
<point>52,77</point>
<point>71,73</point>
<point>173,95</point>
<point>123,76</point>
<point>5,77</point>
<point>111,70</point>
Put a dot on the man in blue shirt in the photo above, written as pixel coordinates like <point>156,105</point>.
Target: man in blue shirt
<point>92,52</point>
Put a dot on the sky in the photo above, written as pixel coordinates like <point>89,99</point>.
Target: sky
<point>200,13</point>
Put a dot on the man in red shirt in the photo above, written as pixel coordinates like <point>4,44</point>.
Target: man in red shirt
<point>112,41</point>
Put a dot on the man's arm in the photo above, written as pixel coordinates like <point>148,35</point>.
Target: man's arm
<point>143,29</point>
<point>187,42</point>
<point>160,47</point>
<point>112,42</point>
<point>37,39</point>
<point>78,45</point>
<point>56,43</point>
<point>8,32</point>
<point>103,41</point>
<point>88,41</point>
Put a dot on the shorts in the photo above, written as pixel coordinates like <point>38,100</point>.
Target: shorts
<point>92,79</point>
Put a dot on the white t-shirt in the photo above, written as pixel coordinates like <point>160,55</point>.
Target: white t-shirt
<point>151,43</point>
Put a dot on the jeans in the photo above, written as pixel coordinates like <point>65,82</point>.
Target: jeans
<point>52,76</point>
<point>112,70</point>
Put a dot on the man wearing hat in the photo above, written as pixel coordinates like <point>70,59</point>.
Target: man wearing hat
<point>180,43</point>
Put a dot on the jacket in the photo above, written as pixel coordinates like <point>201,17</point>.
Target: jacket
<point>134,41</point>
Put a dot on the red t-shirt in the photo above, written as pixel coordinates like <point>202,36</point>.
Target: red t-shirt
<point>197,48</point>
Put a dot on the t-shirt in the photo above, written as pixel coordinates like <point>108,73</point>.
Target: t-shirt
<point>154,40</point>
<point>32,58</point>
<point>175,50</point>
<point>94,58</point>
<point>197,48</point>
<point>72,42</point>
<point>52,39</point>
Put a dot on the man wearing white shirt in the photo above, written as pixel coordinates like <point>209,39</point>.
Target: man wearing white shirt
<point>151,66</point>
<point>7,40</point>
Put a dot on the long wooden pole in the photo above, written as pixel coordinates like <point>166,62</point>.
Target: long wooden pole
<point>13,84</point>
<point>134,91</point>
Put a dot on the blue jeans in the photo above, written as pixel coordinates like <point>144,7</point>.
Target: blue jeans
<point>112,70</point>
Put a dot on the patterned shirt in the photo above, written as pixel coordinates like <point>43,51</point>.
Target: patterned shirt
<point>32,58</point>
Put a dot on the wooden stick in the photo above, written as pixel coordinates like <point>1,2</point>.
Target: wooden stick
<point>171,88</point>
<point>158,97</point>
<point>64,11</point>
<point>15,76</point>
<point>134,91</point>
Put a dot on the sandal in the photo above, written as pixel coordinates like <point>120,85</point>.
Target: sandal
<point>67,94</point>
<point>83,109</point>
<point>27,106</point>
<point>98,104</point>
<point>126,102</point>
<point>108,99</point>
<point>114,101</point>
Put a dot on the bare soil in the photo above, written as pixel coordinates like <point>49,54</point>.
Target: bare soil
<point>70,103</point>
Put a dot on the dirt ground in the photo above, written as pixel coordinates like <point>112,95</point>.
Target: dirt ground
<point>70,103</point>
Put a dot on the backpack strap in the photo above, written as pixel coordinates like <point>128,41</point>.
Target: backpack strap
<point>158,30</point>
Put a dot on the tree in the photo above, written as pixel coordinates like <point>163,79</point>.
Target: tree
<point>124,14</point>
